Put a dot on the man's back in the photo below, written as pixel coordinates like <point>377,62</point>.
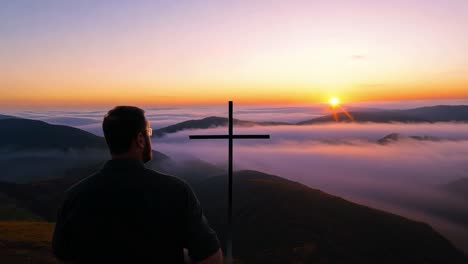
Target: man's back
<point>127,213</point>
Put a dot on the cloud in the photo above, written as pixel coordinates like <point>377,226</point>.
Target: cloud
<point>164,116</point>
<point>358,57</point>
<point>345,160</point>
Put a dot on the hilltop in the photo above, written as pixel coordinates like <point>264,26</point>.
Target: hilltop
<point>210,122</point>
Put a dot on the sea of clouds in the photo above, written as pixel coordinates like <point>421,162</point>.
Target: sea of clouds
<point>403,177</point>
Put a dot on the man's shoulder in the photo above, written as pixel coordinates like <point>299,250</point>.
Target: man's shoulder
<point>165,180</point>
<point>82,184</point>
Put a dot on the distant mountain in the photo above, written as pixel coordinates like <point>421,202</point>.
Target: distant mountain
<point>458,187</point>
<point>7,117</point>
<point>71,121</point>
<point>32,150</point>
<point>375,117</point>
<point>209,122</point>
<point>280,221</point>
<point>395,137</point>
<point>27,134</point>
<point>441,113</point>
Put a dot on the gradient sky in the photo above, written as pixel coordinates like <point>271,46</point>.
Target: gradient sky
<point>254,52</point>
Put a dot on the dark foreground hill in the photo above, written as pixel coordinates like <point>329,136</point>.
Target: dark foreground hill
<point>280,221</point>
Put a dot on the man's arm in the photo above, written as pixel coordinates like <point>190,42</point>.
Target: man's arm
<point>60,245</point>
<point>216,258</point>
<point>201,241</point>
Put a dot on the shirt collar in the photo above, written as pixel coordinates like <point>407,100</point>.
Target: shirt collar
<point>123,164</point>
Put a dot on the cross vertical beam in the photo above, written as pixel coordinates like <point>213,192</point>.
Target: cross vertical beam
<point>230,155</point>
<point>230,138</point>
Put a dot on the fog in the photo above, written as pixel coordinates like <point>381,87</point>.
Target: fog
<point>404,177</point>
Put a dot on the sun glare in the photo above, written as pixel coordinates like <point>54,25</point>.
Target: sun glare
<point>334,102</point>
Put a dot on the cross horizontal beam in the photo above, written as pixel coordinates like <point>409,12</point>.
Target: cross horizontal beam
<point>227,136</point>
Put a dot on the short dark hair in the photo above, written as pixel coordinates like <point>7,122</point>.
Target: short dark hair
<point>121,125</point>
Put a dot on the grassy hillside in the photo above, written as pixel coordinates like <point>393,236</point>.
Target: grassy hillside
<point>26,242</point>
<point>10,209</point>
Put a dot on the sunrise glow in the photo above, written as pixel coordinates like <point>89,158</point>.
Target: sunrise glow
<point>295,52</point>
<point>334,102</point>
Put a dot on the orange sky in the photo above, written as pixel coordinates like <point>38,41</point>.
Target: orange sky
<point>253,52</point>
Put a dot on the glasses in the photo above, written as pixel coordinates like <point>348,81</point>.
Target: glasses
<point>149,131</point>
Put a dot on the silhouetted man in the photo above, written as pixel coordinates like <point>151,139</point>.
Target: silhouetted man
<point>126,213</point>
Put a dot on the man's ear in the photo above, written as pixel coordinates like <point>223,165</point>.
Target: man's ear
<point>140,140</point>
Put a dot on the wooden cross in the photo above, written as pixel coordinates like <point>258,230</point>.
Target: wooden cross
<point>230,136</point>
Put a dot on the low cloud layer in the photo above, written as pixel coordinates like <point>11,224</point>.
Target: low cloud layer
<point>404,177</point>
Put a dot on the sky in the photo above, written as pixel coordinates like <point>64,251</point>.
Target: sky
<point>102,53</point>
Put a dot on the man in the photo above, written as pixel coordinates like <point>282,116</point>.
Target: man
<point>126,213</point>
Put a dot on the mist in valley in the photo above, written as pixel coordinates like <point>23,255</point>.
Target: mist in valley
<point>404,177</point>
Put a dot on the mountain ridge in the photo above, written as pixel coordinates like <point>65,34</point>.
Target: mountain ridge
<point>429,114</point>
<point>209,122</point>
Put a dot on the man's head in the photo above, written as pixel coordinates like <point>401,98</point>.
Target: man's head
<point>127,133</point>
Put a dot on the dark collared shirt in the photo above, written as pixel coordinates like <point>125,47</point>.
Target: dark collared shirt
<point>128,213</point>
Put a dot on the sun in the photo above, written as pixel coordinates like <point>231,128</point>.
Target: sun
<point>334,102</point>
